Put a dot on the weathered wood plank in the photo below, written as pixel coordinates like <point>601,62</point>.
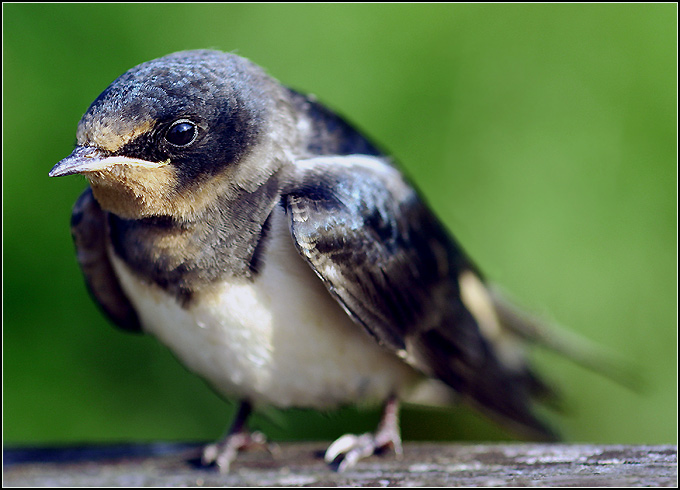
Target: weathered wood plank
<point>300,464</point>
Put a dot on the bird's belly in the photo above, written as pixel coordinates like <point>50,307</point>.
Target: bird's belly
<point>279,338</point>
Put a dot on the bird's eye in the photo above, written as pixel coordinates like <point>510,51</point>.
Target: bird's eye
<point>181,133</point>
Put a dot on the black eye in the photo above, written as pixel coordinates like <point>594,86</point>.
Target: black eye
<point>181,133</point>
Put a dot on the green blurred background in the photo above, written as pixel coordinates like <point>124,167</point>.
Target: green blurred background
<point>543,135</point>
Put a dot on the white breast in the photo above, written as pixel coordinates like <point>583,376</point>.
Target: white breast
<point>279,339</point>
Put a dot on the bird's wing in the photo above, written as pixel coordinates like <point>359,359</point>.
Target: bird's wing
<point>89,230</point>
<point>390,263</point>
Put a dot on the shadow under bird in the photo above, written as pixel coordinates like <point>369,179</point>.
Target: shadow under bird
<point>282,257</point>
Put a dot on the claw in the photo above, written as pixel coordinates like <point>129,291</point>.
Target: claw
<point>345,444</point>
<point>238,438</point>
<point>347,450</point>
<point>210,453</point>
<point>224,453</point>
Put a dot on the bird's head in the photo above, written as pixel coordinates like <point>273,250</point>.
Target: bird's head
<point>168,134</point>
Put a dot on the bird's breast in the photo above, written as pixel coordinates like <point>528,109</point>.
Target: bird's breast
<point>277,338</point>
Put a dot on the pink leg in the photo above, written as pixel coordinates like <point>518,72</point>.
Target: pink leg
<point>238,438</point>
<point>350,448</point>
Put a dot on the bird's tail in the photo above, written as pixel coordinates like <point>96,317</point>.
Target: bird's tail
<point>579,350</point>
<point>490,369</point>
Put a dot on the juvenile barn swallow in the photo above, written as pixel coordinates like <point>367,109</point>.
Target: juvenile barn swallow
<point>282,256</point>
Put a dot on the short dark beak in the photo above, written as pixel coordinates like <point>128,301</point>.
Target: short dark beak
<point>82,159</point>
<point>88,159</point>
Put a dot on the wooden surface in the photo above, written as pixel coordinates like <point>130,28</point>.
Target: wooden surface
<point>300,464</point>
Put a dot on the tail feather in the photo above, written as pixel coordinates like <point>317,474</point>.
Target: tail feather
<point>563,342</point>
<point>490,368</point>
<point>502,392</point>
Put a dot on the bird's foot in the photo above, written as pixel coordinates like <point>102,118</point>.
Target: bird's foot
<point>350,448</point>
<point>224,452</point>
<point>238,438</point>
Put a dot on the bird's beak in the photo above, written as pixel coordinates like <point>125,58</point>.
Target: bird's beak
<point>85,159</point>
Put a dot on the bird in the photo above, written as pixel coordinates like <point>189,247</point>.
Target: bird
<point>285,258</point>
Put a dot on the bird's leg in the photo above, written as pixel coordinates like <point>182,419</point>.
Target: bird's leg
<point>350,448</point>
<point>238,437</point>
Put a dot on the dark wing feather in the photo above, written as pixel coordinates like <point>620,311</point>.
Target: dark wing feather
<point>387,259</point>
<point>89,230</point>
